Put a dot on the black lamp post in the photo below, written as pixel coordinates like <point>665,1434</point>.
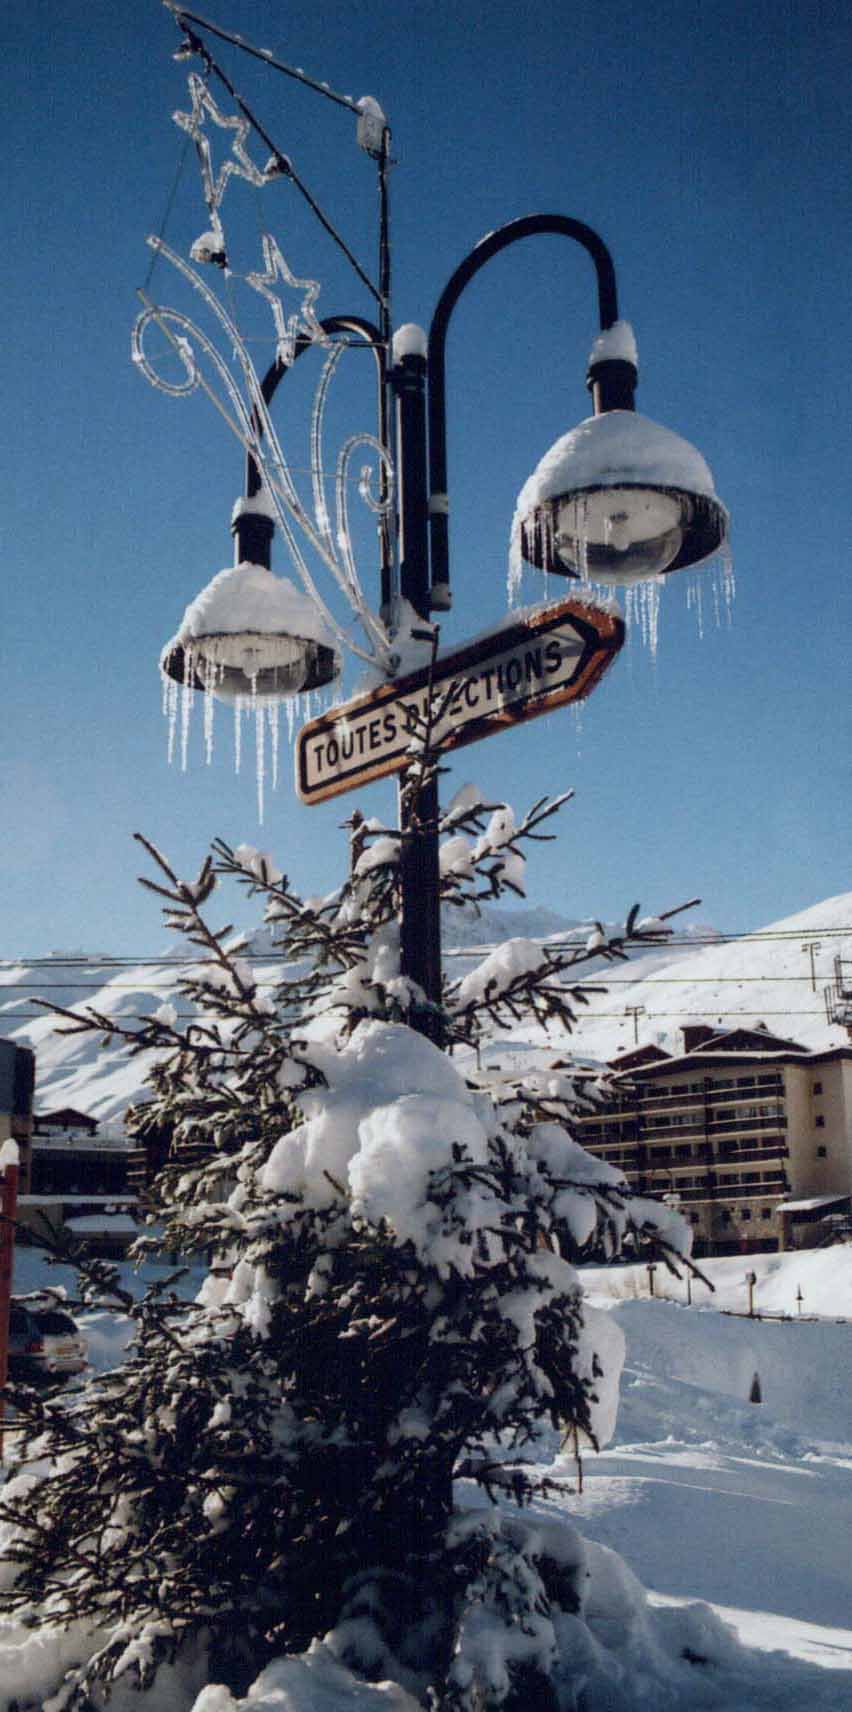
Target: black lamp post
<point>697,524</point>
<point>618,499</point>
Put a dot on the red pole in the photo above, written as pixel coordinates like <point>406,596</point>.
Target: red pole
<point>8,1209</point>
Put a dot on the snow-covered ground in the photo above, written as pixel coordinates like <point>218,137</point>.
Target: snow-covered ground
<point>747,1506</point>
<point>744,1507</point>
<point>707,1496</point>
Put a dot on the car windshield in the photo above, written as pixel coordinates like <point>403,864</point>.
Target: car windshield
<point>55,1323</point>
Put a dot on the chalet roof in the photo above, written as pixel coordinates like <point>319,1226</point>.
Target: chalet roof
<point>65,1117</point>
<point>757,1038</point>
<point>639,1056</point>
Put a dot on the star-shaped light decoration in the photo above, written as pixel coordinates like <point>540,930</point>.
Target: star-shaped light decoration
<point>210,246</point>
<point>288,328</point>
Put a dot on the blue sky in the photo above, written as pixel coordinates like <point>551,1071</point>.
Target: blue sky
<point>710,148</point>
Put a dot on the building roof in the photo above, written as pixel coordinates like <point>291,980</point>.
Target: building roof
<point>66,1117</point>
<point>812,1203</point>
<point>640,1055</point>
<point>728,1048</point>
<point>746,1039</point>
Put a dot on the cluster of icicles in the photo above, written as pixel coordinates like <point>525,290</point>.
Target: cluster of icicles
<point>263,712</point>
<point>712,584</point>
<point>641,611</point>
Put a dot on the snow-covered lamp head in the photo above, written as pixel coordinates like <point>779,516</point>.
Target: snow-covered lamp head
<point>619,499</point>
<point>251,634</point>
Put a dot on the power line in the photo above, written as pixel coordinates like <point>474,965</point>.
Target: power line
<point>634,979</point>
<point>683,943</point>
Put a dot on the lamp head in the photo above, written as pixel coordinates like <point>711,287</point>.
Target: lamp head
<point>619,500</point>
<point>251,634</point>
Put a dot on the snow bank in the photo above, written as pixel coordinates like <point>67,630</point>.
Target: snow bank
<point>804,1369</point>
<point>315,1681</point>
<point>823,1275</point>
<point>620,1653</point>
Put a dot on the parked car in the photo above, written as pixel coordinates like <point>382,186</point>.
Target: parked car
<point>26,1350</point>
<point>64,1346</point>
<point>45,1343</point>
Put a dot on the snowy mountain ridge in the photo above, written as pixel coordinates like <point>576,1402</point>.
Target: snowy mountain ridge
<point>765,976</point>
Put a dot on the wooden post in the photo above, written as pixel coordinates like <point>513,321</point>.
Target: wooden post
<point>8,1209</point>
<point>652,1267</point>
<point>751,1280</point>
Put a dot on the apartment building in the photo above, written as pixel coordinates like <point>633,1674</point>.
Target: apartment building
<point>751,1132</point>
<point>17,1080</point>
<point>79,1183</point>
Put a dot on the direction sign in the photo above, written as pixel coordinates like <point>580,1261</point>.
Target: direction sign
<point>506,676</point>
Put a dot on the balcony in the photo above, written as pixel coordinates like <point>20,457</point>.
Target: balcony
<point>737,1191</point>
<point>764,1088</point>
<point>730,1153</point>
<point>80,1141</point>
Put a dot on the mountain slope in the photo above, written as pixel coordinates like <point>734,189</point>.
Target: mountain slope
<point>764,976</point>
<point>761,977</point>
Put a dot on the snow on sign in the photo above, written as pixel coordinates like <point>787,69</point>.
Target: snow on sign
<point>521,670</point>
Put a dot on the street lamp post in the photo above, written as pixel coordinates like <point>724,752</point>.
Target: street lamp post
<point>616,500</point>
<point>697,520</point>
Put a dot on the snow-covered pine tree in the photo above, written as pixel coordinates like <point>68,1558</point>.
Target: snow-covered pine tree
<point>390,1303</point>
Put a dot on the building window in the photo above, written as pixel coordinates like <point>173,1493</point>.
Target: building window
<point>822,1153</point>
<point>746,1213</point>
<point>726,1218</point>
<point>766,1212</point>
<point>819,1123</point>
<point>817,1087</point>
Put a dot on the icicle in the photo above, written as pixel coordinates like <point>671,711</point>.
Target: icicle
<point>259,734</point>
<point>171,693</point>
<point>273,731</point>
<point>208,722</point>
<point>729,582</point>
<point>186,708</point>
<point>655,619</point>
<point>291,719</point>
<point>238,733</point>
<point>651,593</point>
<point>516,569</point>
<point>584,541</point>
<point>695,603</point>
<point>630,614</point>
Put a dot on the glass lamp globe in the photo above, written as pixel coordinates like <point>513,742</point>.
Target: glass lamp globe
<point>619,500</point>
<point>247,663</point>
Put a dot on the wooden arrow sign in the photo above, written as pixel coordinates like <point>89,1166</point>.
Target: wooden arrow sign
<point>502,678</point>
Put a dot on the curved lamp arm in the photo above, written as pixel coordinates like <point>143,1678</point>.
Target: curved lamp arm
<point>530,225</point>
